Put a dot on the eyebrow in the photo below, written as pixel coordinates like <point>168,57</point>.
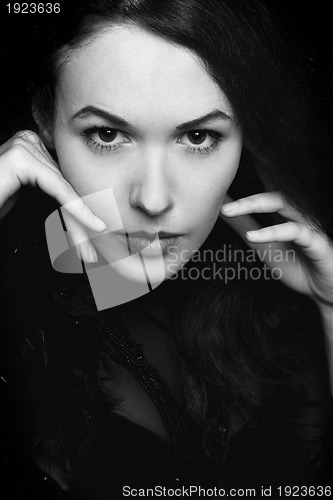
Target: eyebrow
<point>120,122</point>
<point>216,113</point>
<point>93,110</point>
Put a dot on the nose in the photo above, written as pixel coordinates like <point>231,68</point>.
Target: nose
<point>150,192</point>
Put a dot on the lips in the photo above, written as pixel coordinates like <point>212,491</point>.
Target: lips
<point>152,243</point>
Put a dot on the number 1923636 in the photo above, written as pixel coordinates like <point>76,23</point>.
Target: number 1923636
<point>33,8</point>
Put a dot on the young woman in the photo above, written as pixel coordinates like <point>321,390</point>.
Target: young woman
<point>200,360</point>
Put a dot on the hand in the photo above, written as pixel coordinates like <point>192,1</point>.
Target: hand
<point>24,159</point>
<point>311,270</point>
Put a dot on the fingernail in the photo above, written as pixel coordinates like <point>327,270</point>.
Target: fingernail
<point>87,253</point>
<point>251,234</point>
<point>92,255</point>
<point>100,225</point>
<point>228,209</point>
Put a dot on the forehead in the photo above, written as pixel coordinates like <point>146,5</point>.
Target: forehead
<point>128,69</point>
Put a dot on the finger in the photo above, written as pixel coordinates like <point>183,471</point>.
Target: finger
<point>80,239</point>
<point>37,148</point>
<point>28,170</point>
<point>314,244</point>
<point>86,252</point>
<point>31,142</point>
<point>227,199</point>
<point>263,203</point>
<point>9,187</point>
<point>242,225</point>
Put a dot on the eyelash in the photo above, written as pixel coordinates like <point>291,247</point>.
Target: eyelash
<point>104,148</point>
<point>203,149</point>
<point>96,146</point>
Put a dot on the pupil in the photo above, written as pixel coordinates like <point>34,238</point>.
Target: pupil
<point>107,134</point>
<point>197,136</point>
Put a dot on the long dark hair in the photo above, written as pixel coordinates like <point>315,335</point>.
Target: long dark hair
<point>233,352</point>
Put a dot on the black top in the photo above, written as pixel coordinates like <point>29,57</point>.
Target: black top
<point>288,449</point>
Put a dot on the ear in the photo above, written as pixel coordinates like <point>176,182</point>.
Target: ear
<point>45,131</point>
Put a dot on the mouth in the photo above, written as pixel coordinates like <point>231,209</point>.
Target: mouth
<point>153,243</point>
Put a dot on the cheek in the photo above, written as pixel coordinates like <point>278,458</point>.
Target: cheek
<point>205,210</point>
<point>78,166</point>
<point>208,195</point>
<point>71,162</point>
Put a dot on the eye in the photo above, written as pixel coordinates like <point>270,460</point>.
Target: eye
<point>200,140</point>
<point>197,136</point>
<point>104,139</point>
<point>107,134</point>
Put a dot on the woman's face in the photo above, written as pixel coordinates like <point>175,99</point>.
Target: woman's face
<point>141,119</point>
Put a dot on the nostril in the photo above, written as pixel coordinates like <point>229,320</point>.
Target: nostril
<point>150,200</point>
<point>151,189</point>
<point>154,209</point>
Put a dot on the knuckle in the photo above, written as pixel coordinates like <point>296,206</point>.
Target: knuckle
<point>280,199</point>
<point>76,210</point>
<point>29,137</point>
<point>26,135</point>
<point>273,231</point>
<point>75,203</point>
<point>17,152</point>
<point>16,162</point>
<point>252,200</point>
<point>294,227</point>
<point>82,207</point>
<point>65,185</point>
